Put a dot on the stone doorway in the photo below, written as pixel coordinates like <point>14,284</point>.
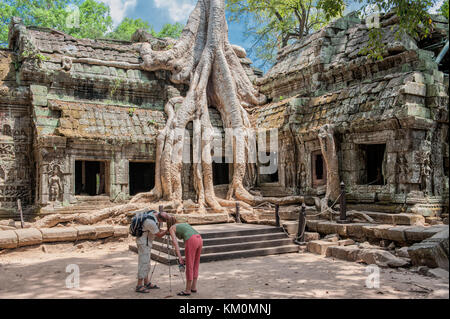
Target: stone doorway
<point>142,177</point>
<point>373,160</point>
<point>319,170</point>
<point>221,173</point>
<point>90,178</point>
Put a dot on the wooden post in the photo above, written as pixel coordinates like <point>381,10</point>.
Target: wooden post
<point>19,207</point>
<point>238,216</point>
<point>301,224</point>
<point>277,215</point>
<point>343,205</point>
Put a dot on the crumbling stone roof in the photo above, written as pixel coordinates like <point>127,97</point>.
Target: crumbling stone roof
<point>102,122</point>
<point>333,82</point>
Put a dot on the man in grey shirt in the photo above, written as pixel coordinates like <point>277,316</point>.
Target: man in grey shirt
<point>144,245</point>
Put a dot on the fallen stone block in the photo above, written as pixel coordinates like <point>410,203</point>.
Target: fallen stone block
<point>430,254</point>
<point>349,253</point>
<point>104,231</point>
<point>58,234</point>
<point>442,238</point>
<point>121,231</point>
<point>381,258</point>
<point>319,246</point>
<point>418,234</point>
<point>8,239</point>
<point>28,237</point>
<point>86,232</point>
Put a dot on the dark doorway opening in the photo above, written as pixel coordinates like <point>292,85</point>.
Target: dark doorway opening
<point>373,158</point>
<point>270,166</point>
<point>318,169</point>
<point>90,178</point>
<point>142,177</point>
<point>221,173</point>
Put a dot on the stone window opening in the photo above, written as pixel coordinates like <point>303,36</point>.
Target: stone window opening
<point>318,167</point>
<point>374,159</point>
<point>142,177</point>
<point>90,178</point>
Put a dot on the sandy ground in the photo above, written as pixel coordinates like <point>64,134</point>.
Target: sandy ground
<point>108,270</point>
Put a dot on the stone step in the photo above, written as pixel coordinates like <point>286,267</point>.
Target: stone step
<point>227,247</point>
<point>229,255</point>
<point>244,232</point>
<point>228,241</point>
<point>232,240</point>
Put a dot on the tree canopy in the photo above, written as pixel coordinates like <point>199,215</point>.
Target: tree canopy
<point>79,18</point>
<point>273,24</point>
<point>444,9</point>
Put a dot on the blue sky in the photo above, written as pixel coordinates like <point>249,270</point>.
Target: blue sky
<point>159,12</point>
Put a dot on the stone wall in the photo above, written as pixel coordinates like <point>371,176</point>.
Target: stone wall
<point>16,135</point>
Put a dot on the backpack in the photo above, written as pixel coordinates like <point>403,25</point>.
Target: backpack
<point>138,221</point>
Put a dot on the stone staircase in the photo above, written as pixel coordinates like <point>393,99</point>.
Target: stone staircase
<point>229,241</point>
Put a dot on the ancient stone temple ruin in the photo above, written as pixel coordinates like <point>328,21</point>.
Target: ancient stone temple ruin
<point>79,120</point>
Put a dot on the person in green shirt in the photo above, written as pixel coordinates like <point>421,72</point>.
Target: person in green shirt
<point>193,244</point>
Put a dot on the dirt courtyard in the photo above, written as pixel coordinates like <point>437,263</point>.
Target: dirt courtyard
<point>108,270</point>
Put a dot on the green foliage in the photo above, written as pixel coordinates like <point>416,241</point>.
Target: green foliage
<point>94,19</point>
<point>170,31</point>
<point>273,24</point>
<point>444,9</point>
<point>94,16</point>
<point>414,19</point>
<point>127,27</point>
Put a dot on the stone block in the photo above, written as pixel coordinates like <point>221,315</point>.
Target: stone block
<point>58,234</point>
<point>414,89</point>
<point>311,225</point>
<point>86,232</point>
<point>325,227</point>
<point>408,219</point>
<point>8,239</point>
<point>319,246</point>
<point>311,236</point>
<point>356,230</point>
<point>28,237</point>
<point>104,231</point>
<point>349,253</point>
<point>417,234</point>
<point>381,258</point>
<point>428,254</point>
<point>395,234</point>
<point>121,231</point>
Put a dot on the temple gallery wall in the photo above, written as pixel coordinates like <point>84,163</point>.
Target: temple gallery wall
<point>79,120</point>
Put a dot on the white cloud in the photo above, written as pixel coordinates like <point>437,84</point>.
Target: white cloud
<point>119,8</point>
<point>437,6</point>
<point>179,10</point>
